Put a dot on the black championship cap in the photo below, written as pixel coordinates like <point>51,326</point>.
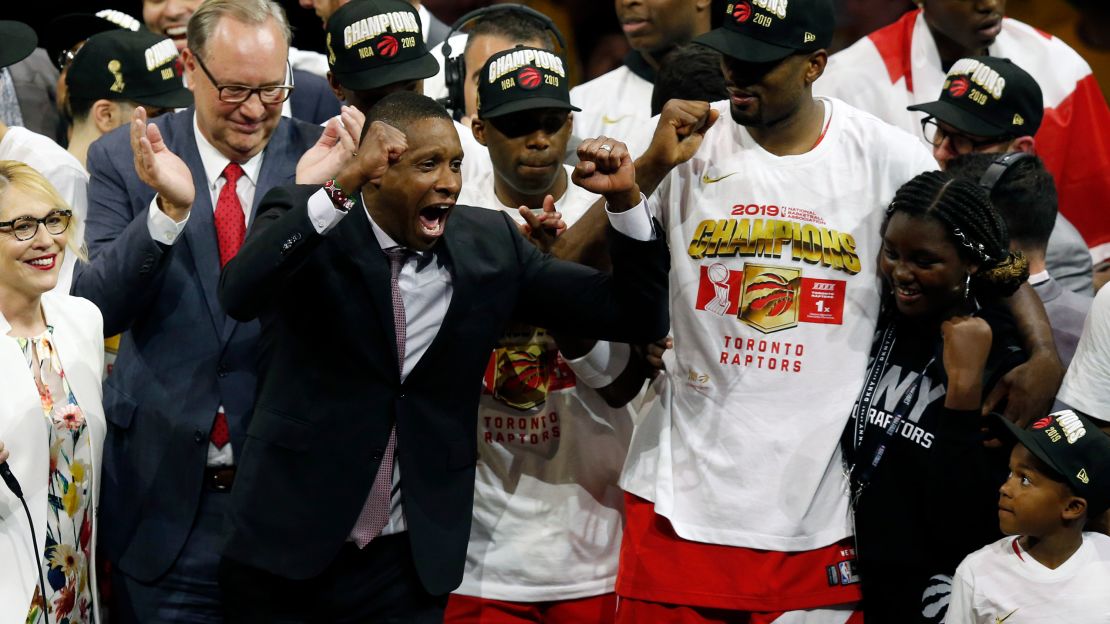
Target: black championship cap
<point>124,65</point>
<point>761,31</point>
<point>988,97</point>
<point>374,43</point>
<point>68,30</point>
<point>1076,448</point>
<point>523,79</point>
<point>17,42</point>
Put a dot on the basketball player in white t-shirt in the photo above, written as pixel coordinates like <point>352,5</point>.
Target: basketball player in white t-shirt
<point>738,505</point>
<point>548,513</point>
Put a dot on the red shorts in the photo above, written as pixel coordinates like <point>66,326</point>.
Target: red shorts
<point>658,566</point>
<point>470,610</point>
<point>632,611</point>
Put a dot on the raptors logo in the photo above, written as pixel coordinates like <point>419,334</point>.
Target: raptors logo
<point>1042,423</point>
<point>387,46</point>
<point>742,12</point>
<point>958,87</point>
<point>529,78</point>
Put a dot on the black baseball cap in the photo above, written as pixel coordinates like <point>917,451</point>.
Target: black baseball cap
<point>17,42</point>
<point>523,78</point>
<point>988,97</point>
<point>374,43</point>
<point>68,30</point>
<point>761,31</point>
<point>124,65</point>
<point>1076,448</point>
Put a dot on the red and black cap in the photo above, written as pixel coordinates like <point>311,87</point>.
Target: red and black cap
<point>523,78</point>
<point>374,43</point>
<point>988,97</point>
<point>1074,447</point>
<point>17,42</point>
<point>761,31</point>
<point>138,66</point>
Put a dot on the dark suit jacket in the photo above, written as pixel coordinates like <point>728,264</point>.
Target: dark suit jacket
<point>329,387</point>
<point>180,356</point>
<point>1066,312</point>
<point>313,100</point>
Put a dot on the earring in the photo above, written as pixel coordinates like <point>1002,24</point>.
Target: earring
<point>967,287</point>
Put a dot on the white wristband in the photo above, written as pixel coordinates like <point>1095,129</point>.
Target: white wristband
<point>602,364</point>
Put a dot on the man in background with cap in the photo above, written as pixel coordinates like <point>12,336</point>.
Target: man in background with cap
<point>905,64</point>
<point>64,172</point>
<point>991,106</point>
<point>116,72</point>
<point>548,516</point>
<point>170,204</point>
<point>618,103</point>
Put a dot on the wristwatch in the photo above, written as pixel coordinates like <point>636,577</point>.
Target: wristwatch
<point>341,200</point>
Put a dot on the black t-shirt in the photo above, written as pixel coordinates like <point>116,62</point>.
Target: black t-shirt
<point>933,498</point>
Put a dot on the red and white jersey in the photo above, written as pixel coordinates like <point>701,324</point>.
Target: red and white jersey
<point>616,104</point>
<point>548,514</point>
<point>1002,583</point>
<point>899,65</point>
<point>774,298</point>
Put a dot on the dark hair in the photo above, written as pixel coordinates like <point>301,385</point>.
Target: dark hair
<point>973,225</point>
<point>688,72</point>
<point>512,25</point>
<point>401,108</point>
<point>1025,196</point>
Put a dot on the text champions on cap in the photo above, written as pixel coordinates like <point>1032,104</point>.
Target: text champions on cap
<point>516,60</point>
<point>370,27</point>
<point>778,7</point>
<point>159,54</point>
<point>980,74</point>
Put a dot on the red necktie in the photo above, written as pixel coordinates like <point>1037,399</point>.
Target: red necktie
<point>231,227</point>
<point>375,511</point>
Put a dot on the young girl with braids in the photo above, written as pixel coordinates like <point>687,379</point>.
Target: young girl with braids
<point>924,485</point>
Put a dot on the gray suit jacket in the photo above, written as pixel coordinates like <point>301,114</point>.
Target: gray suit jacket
<point>180,356</point>
<point>1068,259</point>
<point>36,79</point>
<point>1066,312</point>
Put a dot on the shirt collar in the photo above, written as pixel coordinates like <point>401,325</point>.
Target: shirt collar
<point>637,64</point>
<point>1037,278</point>
<point>214,162</point>
<point>386,241</point>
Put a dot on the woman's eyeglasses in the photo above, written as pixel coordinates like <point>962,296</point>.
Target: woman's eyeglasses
<point>25,228</point>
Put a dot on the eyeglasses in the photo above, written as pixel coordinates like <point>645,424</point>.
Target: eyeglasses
<point>237,94</point>
<point>65,57</point>
<point>25,228</point>
<point>935,134</point>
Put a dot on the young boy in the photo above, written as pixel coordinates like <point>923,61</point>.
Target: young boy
<point>1052,571</point>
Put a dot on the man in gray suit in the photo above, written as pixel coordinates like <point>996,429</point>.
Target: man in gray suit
<point>169,205</point>
<point>1023,192</point>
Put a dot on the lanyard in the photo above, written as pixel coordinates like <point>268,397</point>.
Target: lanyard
<point>866,462</point>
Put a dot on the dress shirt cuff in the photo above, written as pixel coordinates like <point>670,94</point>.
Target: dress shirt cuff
<point>322,212</point>
<point>602,364</point>
<point>162,228</point>
<point>635,223</point>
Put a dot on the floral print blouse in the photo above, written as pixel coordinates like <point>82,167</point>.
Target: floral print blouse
<point>66,553</point>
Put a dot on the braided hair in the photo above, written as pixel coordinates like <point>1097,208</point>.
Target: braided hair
<point>974,227</point>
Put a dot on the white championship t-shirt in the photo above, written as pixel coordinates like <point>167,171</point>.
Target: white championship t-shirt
<point>774,298</point>
<point>67,176</point>
<point>1086,385</point>
<point>1003,583</point>
<point>616,104</point>
<point>548,513</point>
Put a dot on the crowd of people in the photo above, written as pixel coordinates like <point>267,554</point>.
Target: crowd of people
<point>413,329</point>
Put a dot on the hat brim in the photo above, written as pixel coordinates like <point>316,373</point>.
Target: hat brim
<point>178,98</point>
<point>961,120</point>
<point>524,104</point>
<point>1032,442</point>
<point>419,68</point>
<point>19,42</point>
<point>743,47</point>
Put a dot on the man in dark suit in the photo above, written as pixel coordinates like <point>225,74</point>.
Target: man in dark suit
<point>380,301</point>
<point>169,204</point>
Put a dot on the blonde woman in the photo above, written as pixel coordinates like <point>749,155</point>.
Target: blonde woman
<point>51,419</point>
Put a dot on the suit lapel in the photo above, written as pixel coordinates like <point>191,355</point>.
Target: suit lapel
<point>358,240</point>
<point>200,232</point>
